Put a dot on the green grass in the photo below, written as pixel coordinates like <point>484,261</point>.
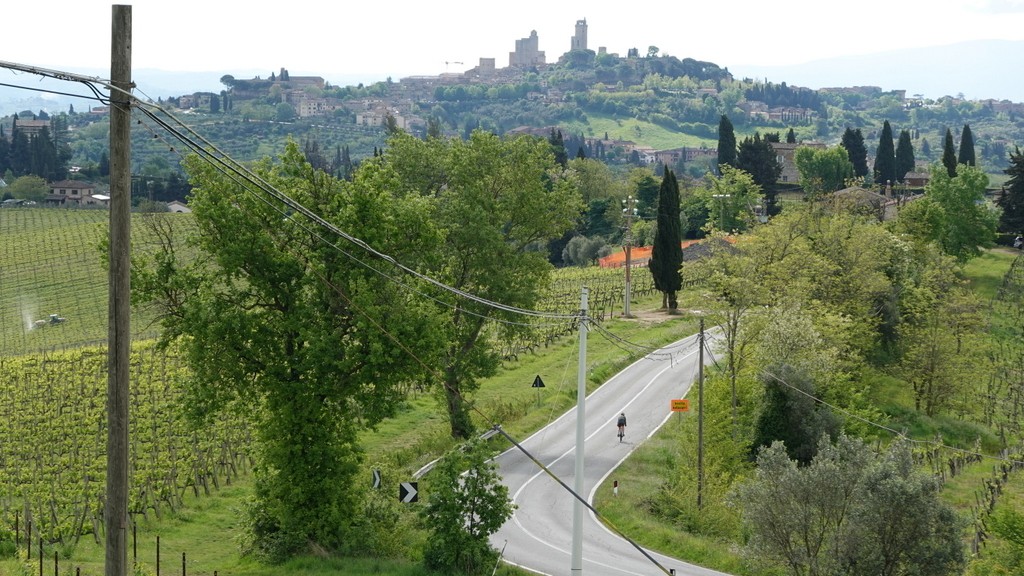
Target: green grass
<point>985,273</point>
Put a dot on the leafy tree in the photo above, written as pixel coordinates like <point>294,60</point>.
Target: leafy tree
<point>966,147</point>
<point>284,112</point>
<point>953,213</point>
<point>496,199</point>
<point>901,525</point>
<point>822,170</point>
<point>949,154</point>
<point>731,197</point>
<point>853,143</point>
<point>726,142</point>
<point>791,137</point>
<point>467,504</point>
<point>275,321</point>
<point>1011,200</point>
<point>28,187</point>
<point>850,512</point>
<point>885,157</point>
<point>667,252</point>
<point>646,191</point>
<point>940,349</point>
<point>792,416</point>
<point>904,156</point>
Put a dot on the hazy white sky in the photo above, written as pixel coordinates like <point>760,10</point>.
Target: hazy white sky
<point>374,40</point>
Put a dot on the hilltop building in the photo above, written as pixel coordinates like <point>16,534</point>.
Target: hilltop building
<point>579,40</point>
<point>527,52</point>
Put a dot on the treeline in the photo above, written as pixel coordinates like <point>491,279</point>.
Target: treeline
<point>42,152</point>
<point>783,95</point>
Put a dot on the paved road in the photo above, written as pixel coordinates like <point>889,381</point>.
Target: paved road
<point>539,535</point>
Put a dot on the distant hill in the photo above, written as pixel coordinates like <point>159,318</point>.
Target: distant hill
<point>979,70</point>
<point>29,92</point>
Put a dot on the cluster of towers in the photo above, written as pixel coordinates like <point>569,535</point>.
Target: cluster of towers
<point>528,52</point>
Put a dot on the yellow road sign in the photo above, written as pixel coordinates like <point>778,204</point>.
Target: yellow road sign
<point>681,405</point>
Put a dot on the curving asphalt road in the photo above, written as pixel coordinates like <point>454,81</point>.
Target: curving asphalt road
<point>538,537</point>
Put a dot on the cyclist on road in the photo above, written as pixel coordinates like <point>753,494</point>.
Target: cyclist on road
<point>622,425</point>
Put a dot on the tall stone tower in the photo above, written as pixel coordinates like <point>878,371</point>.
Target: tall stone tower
<point>527,52</point>
<point>579,41</point>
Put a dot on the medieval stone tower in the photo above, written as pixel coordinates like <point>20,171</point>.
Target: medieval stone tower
<point>579,41</point>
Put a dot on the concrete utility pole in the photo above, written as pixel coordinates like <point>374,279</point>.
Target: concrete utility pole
<point>115,513</point>
<point>581,412</point>
<point>629,211</point>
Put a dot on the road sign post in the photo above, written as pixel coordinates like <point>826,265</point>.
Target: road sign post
<point>538,384</point>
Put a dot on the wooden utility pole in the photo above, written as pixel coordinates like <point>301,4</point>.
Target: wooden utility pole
<point>115,513</point>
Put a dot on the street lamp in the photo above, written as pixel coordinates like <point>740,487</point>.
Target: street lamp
<point>629,210</point>
<point>721,209</point>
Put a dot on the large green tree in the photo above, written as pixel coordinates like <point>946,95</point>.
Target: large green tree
<point>726,142</point>
<point>730,200</point>
<point>853,142</point>
<point>885,157</point>
<point>282,319</point>
<point>822,170</point>
<point>966,155</point>
<point>467,503</point>
<point>953,213</point>
<point>1011,199</point>
<point>850,512</point>
<point>667,251</point>
<point>904,156</point>
<point>495,200</point>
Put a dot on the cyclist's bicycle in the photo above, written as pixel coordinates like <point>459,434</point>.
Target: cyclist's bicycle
<point>622,432</point>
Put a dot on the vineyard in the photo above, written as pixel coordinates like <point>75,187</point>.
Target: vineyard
<point>53,430</point>
<point>53,378</point>
<point>605,299</point>
<point>51,267</point>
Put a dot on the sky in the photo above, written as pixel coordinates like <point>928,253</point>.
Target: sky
<point>352,42</point>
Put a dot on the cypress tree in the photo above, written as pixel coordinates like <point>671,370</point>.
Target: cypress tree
<point>667,252</point>
<point>1011,200</point>
<point>904,156</point>
<point>757,158</point>
<point>885,157</point>
<point>726,142</point>
<point>791,137</point>
<point>949,154</point>
<point>853,142</point>
<point>966,147</point>
<point>558,147</point>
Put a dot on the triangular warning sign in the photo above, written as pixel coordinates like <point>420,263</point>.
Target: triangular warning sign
<point>537,382</point>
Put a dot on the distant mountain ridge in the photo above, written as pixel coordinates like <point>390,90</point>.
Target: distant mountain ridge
<point>979,70</point>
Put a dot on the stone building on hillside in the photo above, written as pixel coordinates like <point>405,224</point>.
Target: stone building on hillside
<point>527,52</point>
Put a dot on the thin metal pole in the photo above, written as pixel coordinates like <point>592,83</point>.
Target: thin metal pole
<point>581,397</point>
<point>700,418</point>
<point>115,515</point>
